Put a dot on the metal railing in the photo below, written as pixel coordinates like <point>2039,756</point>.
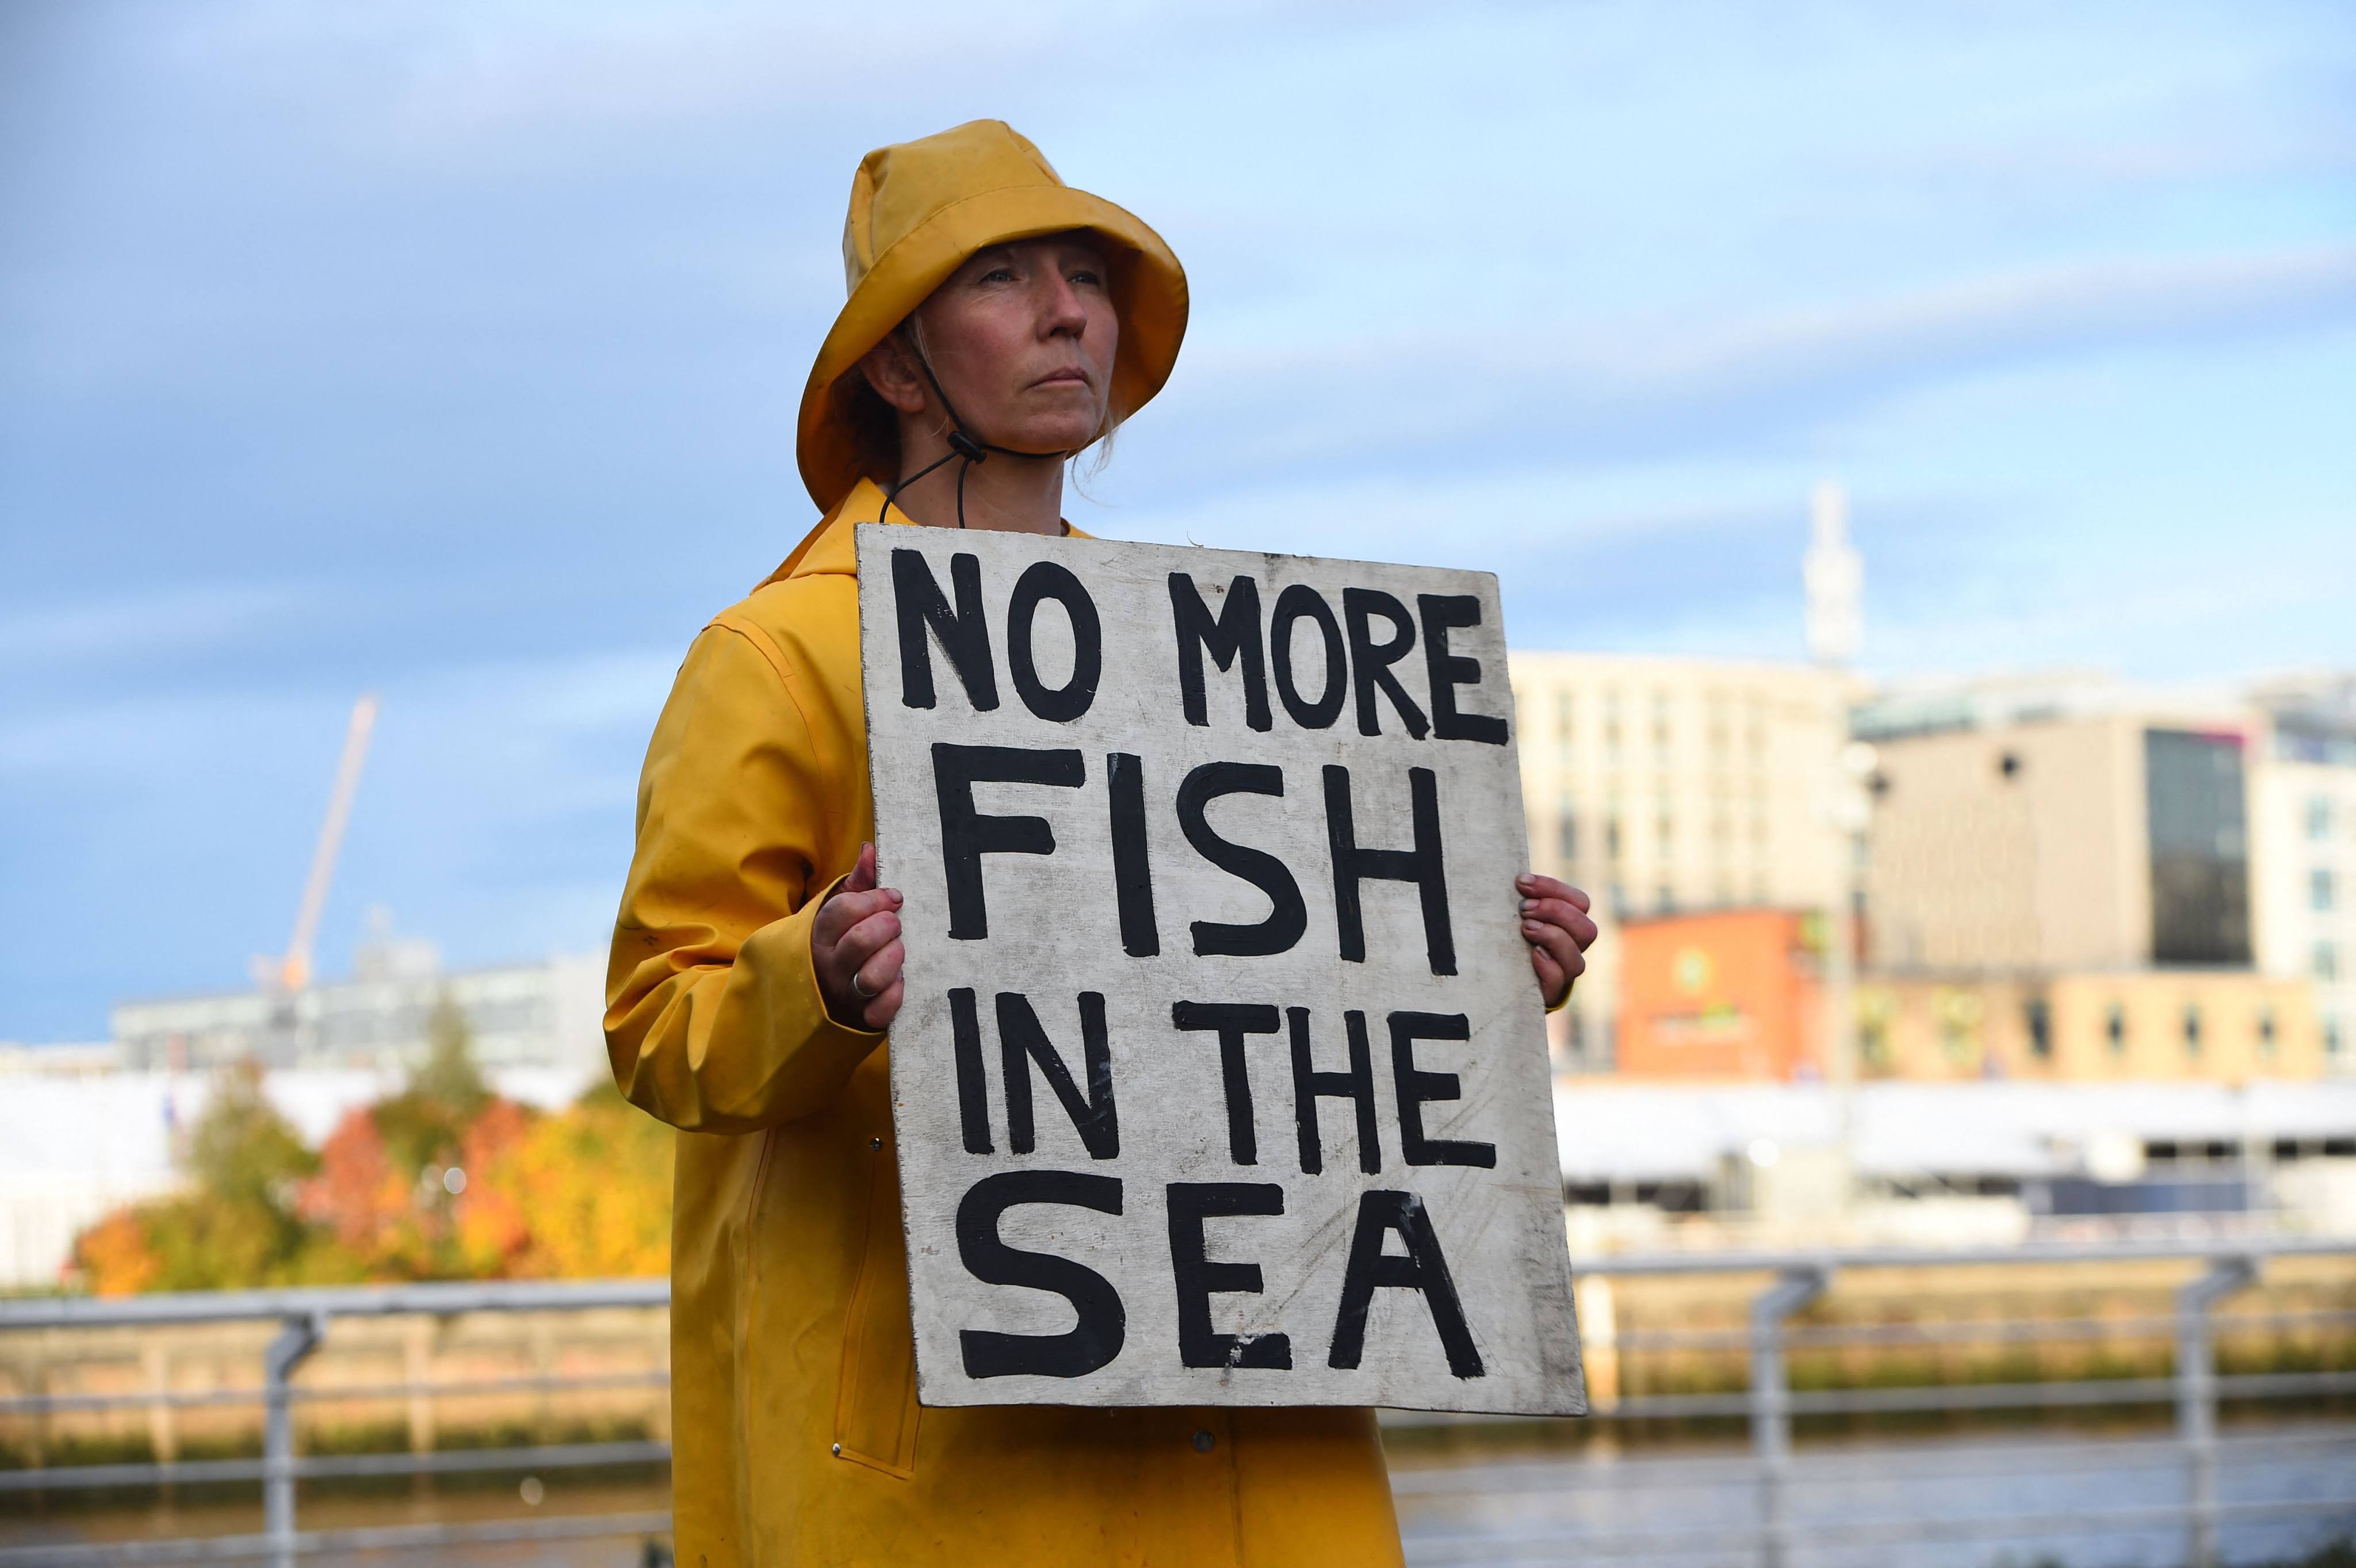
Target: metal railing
<point>1767,1403</point>
<point>304,1316</point>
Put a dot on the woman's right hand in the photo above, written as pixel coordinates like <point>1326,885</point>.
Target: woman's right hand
<point>856,938</point>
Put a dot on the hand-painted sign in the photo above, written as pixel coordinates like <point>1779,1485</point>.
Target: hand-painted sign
<point>1221,1076</point>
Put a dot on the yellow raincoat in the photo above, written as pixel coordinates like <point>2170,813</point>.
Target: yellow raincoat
<point>798,1438</point>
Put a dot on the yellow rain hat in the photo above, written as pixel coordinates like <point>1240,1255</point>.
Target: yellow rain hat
<point>918,209</point>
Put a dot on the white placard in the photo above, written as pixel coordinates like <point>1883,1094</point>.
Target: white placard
<point>1221,1077</point>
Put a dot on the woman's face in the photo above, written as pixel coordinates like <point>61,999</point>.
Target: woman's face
<point>1022,337</point>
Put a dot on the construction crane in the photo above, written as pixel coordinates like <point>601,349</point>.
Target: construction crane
<point>293,971</point>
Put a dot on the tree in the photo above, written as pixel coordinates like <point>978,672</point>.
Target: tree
<point>583,1195</point>
<point>236,1225</point>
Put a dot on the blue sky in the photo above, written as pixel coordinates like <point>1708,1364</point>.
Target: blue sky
<point>451,352</point>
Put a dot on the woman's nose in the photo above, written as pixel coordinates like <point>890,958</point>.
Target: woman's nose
<point>1065,311</point>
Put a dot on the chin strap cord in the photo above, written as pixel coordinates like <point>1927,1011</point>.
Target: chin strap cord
<point>963,443</point>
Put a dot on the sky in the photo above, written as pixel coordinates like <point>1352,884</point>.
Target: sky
<point>450,351</point>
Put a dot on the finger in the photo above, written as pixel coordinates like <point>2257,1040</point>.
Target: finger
<point>1531,885</point>
<point>1560,912</point>
<point>878,1014</point>
<point>862,874</point>
<point>881,968</point>
<point>864,940</point>
<point>844,910</point>
<point>1555,943</point>
<point>1551,982</point>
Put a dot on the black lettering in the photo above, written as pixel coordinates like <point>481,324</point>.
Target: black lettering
<point>1444,613</point>
<point>964,633</point>
<point>1424,866</point>
<point>1296,602</point>
<point>1021,1042</point>
<point>1198,1278</point>
<point>1232,1021</point>
<point>973,1088</point>
<point>1423,1269</point>
<point>966,834</point>
<point>1288,916</point>
<point>1060,705</point>
<point>1418,1088</point>
<point>1357,1084</point>
<point>1133,867</point>
<point>1370,661</point>
<point>1091,1343</point>
<point>1234,634</point>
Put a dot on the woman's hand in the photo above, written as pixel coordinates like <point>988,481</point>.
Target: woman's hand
<point>1554,924</point>
<point>855,948</point>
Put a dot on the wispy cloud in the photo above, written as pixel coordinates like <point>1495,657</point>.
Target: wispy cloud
<point>1622,390</point>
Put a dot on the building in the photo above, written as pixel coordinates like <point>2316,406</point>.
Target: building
<point>1729,995</point>
<point>2104,840</point>
<point>1662,784</point>
<point>1739,995</point>
<point>544,1015</point>
<point>2303,844</point>
<point>2230,1027</point>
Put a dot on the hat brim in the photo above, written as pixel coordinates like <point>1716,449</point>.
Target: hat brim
<point>1148,290</point>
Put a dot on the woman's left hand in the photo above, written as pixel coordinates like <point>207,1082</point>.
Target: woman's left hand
<point>1554,924</point>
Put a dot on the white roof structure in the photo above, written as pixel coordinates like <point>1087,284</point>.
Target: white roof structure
<point>1617,1130</point>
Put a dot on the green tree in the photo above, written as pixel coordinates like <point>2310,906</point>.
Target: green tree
<point>424,1126</point>
<point>235,1225</point>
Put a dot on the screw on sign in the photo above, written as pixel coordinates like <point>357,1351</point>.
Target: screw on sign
<point>1220,1079</point>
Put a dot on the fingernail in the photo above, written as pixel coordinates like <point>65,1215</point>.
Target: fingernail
<point>1528,905</point>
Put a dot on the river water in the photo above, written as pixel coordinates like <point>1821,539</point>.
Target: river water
<point>2078,1500</point>
<point>2067,1499</point>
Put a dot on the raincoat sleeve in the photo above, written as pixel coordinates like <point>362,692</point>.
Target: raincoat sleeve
<point>714,1021</point>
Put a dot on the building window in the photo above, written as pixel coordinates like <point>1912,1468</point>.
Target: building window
<point>1566,828</point>
<point>2008,767</point>
<point>2266,1033</point>
<point>2199,848</point>
<point>2192,1028</point>
<point>1612,836</point>
<point>2319,818</point>
<point>2115,1028</point>
<point>2038,1017</point>
<point>2321,894</point>
<point>2327,961</point>
<point>2331,1034</point>
<point>1562,717</point>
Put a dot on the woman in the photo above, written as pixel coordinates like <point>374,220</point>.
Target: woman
<point>997,323</point>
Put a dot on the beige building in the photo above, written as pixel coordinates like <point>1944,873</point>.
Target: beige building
<point>2303,831</point>
<point>1676,784</point>
<point>2219,1025</point>
<point>2114,840</point>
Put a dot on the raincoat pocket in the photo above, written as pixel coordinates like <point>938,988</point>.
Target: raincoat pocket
<point>875,1410</point>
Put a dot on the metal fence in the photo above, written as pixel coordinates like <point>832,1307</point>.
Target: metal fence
<point>304,1317</point>
<point>1769,1536</point>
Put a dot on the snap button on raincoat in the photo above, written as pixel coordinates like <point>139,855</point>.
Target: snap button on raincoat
<point>796,1435</point>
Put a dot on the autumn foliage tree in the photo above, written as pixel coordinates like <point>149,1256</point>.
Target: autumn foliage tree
<point>236,1224</point>
<point>445,1180</point>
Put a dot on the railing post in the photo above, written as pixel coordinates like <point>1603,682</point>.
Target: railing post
<point>2196,1397</point>
<point>297,1336</point>
<point>1771,1402</point>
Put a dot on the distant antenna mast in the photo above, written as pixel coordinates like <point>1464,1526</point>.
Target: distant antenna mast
<point>294,972</point>
<point>1835,575</point>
